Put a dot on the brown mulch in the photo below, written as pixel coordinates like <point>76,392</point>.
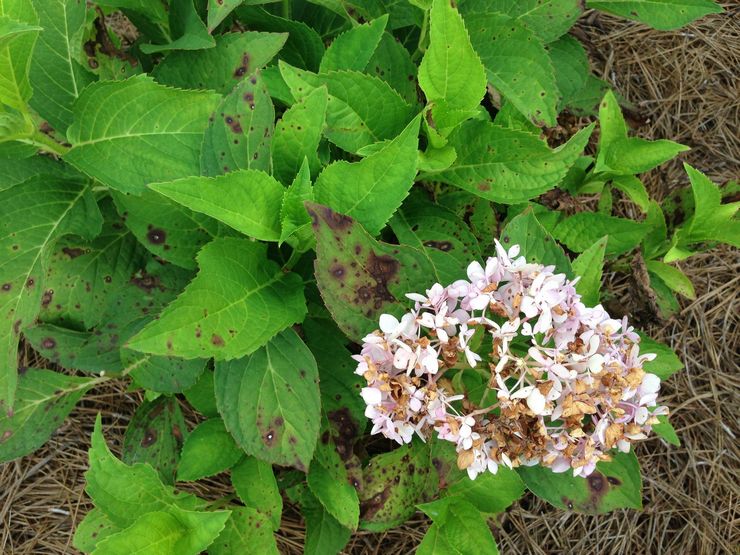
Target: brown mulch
<point>682,85</point>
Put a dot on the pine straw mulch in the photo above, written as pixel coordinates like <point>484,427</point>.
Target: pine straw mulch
<point>683,85</point>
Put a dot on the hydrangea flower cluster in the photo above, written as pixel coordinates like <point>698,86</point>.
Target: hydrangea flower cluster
<point>566,381</point>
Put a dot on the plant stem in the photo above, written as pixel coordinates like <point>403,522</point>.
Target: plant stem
<point>46,143</point>
<point>286,9</point>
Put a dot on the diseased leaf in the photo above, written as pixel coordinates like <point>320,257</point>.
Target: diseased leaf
<point>328,481</point>
<point>517,64</point>
<point>373,188</point>
<point>504,165</point>
<point>236,303</point>
<point>246,532</point>
<point>255,484</point>
<point>613,485</point>
<point>94,528</point>
<point>155,436</point>
<point>247,200</point>
<point>240,130</point>
<point>56,75</point>
<point>360,278</point>
<point>218,10</point>
<point>458,527</point>
<point>43,400</point>
<point>353,49</point>
<point>130,133</point>
<point>664,15</point>
<point>208,450</point>
<point>235,57</point>
<point>589,266</point>
<point>580,231</point>
<point>536,243</point>
<point>33,215</point>
<point>162,374</point>
<point>270,401</point>
<point>392,63</point>
<point>297,136</point>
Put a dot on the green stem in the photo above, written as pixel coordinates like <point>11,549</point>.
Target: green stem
<point>420,47</point>
<point>46,143</point>
<point>286,9</point>
<point>295,255</point>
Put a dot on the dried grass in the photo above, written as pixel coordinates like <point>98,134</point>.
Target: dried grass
<point>683,86</point>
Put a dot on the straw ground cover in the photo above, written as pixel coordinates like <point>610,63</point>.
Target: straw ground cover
<point>681,87</point>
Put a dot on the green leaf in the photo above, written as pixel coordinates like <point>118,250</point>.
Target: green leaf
<point>328,481</point>
<point>56,76</point>
<point>634,189</point>
<point>255,484</point>
<point>238,135</point>
<point>393,484</point>
<point>353,49</point>
<point>43,400</point>
<point>372,189</point>
<point>208,450</point>
<point>218,10</point>
<point>155,436</point>
<point>18,34</point>
<point>360,278</point>
<point>162,374</point>
<point>667,362</point>
<point>666,430</point>
<point>536,243</point>
<point>94,528</point>
<point>392,63</point>
<point>297,136</point>
<point>505,165</point>
<point>235,57</point>
<point>580,231</point>
<point>295,221</point>
<point>711,220</point>
<point>589,266</point>
<point>655,242</point>
<point>171,532</point>
<point>324,534</point>
<point>280,422</point>
<point>612,124</point>
<point>579,89</point>
<point>126,492</point>
<point>451,73</point>
<point>672,277</point>
<point>247,200</point>
<point>236,303</point>
<point>166,228</point>
<point>155,11</point>
<point>246,532</point>
<point>458,528</point>
<point>17,171</point>
<point>361,109</point>
<point>130,133</point>
<point>664,15</point>
<point>439,234</point>
<point>549,19</point>
<point>201,396</point>
<point>187,29</point>
<point>517,64</point>
<point>613,485</point>
<point>33,215</point>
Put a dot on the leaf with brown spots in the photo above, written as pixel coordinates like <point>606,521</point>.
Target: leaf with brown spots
<point>240,131</point>
<point>613,485</point>
<point>270,401</point>
<point>44,399</point>
<point>361,278</point>
<point>155,435</point>
<point>393,484</point>
<point>255,484</point>
<point>247,531</point>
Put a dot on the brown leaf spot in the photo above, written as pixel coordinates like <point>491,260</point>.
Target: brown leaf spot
<point>233,124</point>
<point>150,437</point>
<point>156,236</point>
<point>337,270</point>
<point>48,343</point>
<point>46,298</point>
<point>217,340</point>
<point>6,287</point>
<point>370,507</point>
<point>444,246</point>
<point>73,252</point>
<point>243,68</point>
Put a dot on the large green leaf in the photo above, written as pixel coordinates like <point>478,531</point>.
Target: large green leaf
<point>353,49</point>
<point>255,484</point>
<point>94,528</point>
<point>57,77</point>
<point>208,450</point>
<point>372,189</point>
<point>360,278</point>
<point>239,133</point>
<point>451,73</point>
<point>130,133</point>
<point>235,57</point>
<point>270,401</point>
<point>328,481</point>
<point>517,64</point>
<point>43,400</point>
<point>458,528</point>
<point>18,34</point>
<point>589,266</point>
<point>174,531</point>
<point>392,63</point>
<point>613,485</point>
<point>155,436</point>
<point>238,301</point>
<point>324,534</point>
<point>361,110</point>
<point>536,243</point>
<point>580,231</point>
<point>247,200</point>
<point>247,532</point>
<point>18,170</point>
<point>297,136</point>
<point>660,14</point>
<point>33,215</point>
<point>506,165</point>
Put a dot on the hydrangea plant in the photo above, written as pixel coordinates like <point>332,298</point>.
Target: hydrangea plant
<point>327,229</point>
